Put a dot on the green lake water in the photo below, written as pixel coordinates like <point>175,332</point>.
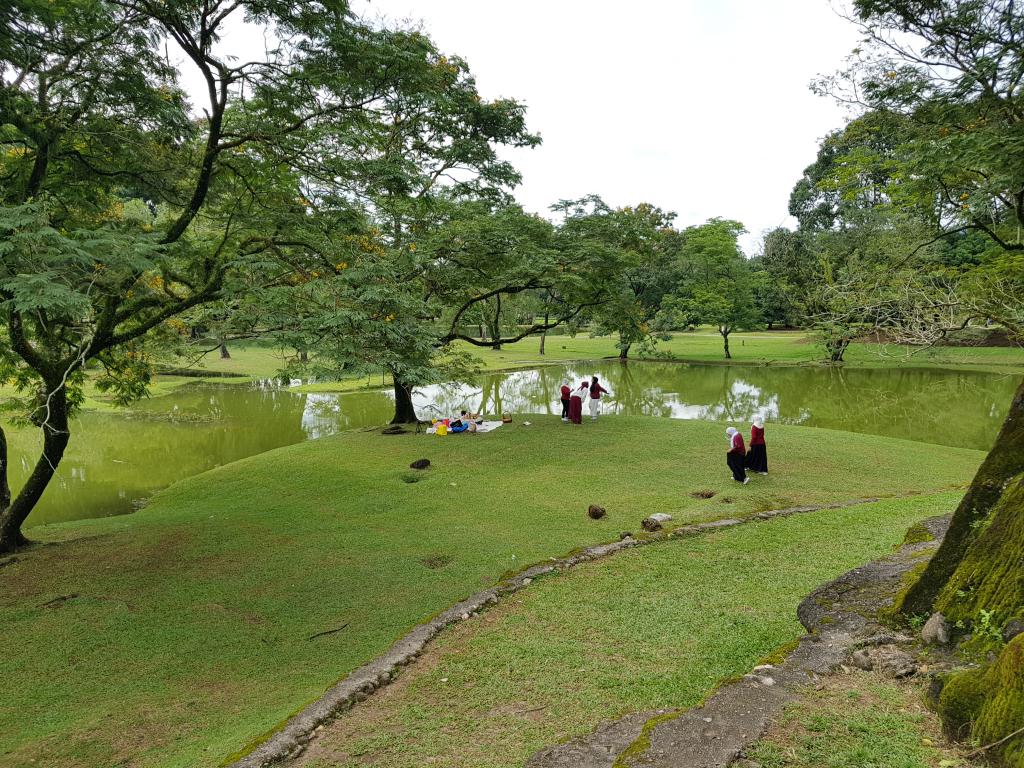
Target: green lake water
<point>116,460</point>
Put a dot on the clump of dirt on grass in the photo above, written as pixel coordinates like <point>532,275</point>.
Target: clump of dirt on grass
<point>705,494</point>
<point>436,562</point>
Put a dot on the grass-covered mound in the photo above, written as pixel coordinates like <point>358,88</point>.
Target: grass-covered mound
<point>177,635</point>
<point>651,628</point>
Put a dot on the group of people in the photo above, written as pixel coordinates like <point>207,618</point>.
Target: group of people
<point>740,459</point>
<point>572,400</point>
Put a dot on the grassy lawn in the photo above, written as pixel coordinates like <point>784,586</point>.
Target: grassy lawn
<point>649,629</point>
<point>855,721</point>
<point>176,635</point>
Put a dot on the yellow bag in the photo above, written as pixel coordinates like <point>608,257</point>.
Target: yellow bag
<point>442,428</point>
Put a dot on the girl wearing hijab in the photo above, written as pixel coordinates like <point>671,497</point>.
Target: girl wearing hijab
<point>736,455</point>
<point>595,397</point>
<point>576,402</point>
<point>565,392</point>
<point>757,456</point>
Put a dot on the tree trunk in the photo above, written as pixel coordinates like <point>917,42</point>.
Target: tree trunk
<point>405,412</point>
<point>837,349</point>
<point>495,322</point>
<point>544,334</point>
<point>623,347</point>
<point>5,487</point>
<point>725,339</point>
<point>55,441</point>
<point>303,356</point>
<point>1004,461</point>
<point>224,354</point>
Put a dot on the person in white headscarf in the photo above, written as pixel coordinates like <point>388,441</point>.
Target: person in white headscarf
<point>736,456</point>
<point>757,456</point>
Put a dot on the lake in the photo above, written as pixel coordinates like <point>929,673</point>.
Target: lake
<point>117,460</point>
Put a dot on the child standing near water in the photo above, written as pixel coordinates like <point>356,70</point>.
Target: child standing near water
<point>757,457</point>
<point>736,455</point>
<point>566,392</point>
<point>596,391</point>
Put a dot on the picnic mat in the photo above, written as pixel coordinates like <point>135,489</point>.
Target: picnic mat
<point>487,426</point>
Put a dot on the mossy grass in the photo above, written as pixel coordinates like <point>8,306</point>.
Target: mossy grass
<point>654,628</point>
<point>189,633</point>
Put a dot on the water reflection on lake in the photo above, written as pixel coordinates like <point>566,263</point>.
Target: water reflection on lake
<point>115,459</point>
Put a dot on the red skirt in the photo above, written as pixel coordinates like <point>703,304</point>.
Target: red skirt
<point>576,410</point>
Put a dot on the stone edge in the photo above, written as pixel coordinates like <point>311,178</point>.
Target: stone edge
<point>289,742</point>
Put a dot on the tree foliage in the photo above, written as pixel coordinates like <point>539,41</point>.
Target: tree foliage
<point>123,210</point>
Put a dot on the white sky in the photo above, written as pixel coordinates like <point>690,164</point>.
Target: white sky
<point>701,107</point>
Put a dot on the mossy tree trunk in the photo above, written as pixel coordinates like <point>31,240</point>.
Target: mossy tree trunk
<point>990,577</point>
<point>987,705</point>
<point>1004,462</point>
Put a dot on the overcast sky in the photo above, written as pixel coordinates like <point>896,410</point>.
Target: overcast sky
<point>701,107</point>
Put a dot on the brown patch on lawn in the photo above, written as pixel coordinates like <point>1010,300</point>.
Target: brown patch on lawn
<point>705,494</point>
<point>48,570</point>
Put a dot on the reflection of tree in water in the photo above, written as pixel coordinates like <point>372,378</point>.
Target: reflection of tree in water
<point>327,414</point>
<point>120,457</point>
<point>535,391</point>
<point>957,408</point>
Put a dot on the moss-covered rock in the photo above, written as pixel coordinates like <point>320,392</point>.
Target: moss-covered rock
<point>987,705</point>
<point>918,534</point>
<point>991,576</point>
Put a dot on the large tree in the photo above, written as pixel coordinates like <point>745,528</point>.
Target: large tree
<point>634,247</point>
<point>715,283</point>
<point>950,71</point>
<point>125,206</point>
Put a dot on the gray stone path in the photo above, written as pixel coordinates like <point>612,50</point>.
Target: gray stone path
<point>837,618</point>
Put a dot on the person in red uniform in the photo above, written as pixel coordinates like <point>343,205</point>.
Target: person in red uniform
<point>576,402</point>
<point>757,456</point>
<point>736,455</point>
<point>596,390</point>
<point>565,401</point>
